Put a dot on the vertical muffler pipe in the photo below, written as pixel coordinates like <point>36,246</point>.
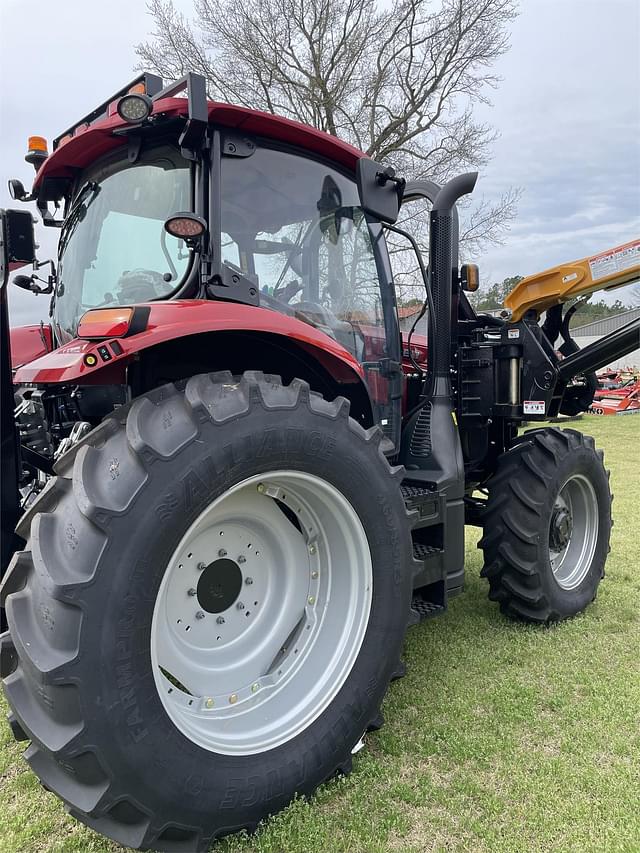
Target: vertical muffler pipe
<point>441,265</point>
<point>430,449</point>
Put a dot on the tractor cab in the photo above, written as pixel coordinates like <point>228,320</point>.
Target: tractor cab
<point>171,207</point>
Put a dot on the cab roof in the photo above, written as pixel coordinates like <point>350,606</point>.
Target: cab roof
<point>91,142</point>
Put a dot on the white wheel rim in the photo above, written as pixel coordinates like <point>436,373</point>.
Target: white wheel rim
<point>243,673</point>
<point>571,554</point>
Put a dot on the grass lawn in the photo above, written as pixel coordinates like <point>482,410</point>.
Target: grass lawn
<point>502,737</point>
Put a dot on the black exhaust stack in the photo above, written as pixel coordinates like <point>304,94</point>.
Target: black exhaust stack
<point>430,448</point>
<point>439,462</point>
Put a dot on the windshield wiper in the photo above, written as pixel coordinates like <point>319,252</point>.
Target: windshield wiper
<point>84,199</point>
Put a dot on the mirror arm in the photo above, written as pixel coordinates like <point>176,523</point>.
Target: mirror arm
<point>48,219</point>
<point>28,282</point>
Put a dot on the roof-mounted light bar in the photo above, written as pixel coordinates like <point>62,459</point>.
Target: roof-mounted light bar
<point>144,84</point>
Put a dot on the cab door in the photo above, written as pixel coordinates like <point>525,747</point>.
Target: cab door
<point>355,285</point>
<point>295,225</point>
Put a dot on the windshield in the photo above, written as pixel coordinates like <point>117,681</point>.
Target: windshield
<point>113,248</point>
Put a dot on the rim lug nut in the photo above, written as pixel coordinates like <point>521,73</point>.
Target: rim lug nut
<point>261,488</point>
<point>248,581</point>
<point>201,566</point>
<point>209,703</point>
<point>222,553</point>
<point>311,600</point>
<point>240,605</point>
<point>255,687</point>
<point>199,615</point>
<point>220,620</point>
<point>191,591</point>
<point>242,559</point>
<point>314,575</point>
<point>312,549</point>
<point>233,698</point>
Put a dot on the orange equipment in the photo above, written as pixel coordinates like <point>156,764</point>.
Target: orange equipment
<point>605,271</point>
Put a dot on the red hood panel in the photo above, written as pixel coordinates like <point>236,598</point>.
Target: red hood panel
<point>29,343</point>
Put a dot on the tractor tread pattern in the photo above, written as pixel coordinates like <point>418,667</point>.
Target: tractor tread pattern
<point>38,670</point>
<point>518,492</point>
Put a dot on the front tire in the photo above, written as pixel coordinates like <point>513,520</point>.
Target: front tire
<point>547,526</point>
<point>121,552</point>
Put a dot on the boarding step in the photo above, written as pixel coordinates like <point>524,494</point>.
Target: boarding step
<point>425,609</point>
<point>412,492</point>
<point>424,504</point>
<point>423,552</point>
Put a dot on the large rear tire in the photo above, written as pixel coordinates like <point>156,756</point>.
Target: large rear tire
<point>547,526</point>
<point>209,609</point>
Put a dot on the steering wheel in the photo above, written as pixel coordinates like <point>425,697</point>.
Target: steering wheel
<point>140,285</point>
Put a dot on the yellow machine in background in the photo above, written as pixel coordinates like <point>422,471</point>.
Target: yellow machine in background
<point>604,271</point>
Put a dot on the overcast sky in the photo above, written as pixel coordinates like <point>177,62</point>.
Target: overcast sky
<point>567,110</point>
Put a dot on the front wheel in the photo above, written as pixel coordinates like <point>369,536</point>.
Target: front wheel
<point>547,526</point>
<point>209,609</point>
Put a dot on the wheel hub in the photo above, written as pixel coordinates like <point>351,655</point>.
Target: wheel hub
<point>561,528</point>
<point>219,585</point>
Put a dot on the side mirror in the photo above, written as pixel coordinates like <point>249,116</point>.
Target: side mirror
<point>16,189</point>
<point>379,190</point>
<point>20,241</point>
<point>23,281</point>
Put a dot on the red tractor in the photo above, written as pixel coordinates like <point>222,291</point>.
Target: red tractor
<point>233,492</point>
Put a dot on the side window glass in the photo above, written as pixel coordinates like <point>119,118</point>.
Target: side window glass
<point>230,250</point>
<point>347,270</point>
<point>409,285</point>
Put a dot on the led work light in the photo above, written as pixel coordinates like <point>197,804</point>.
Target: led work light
<point>135,108</point>
<point>186,226</point>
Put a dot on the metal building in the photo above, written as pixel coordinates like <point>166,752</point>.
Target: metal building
<point>587,334</point>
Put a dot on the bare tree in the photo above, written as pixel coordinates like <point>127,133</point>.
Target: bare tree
<point>398,82</point>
